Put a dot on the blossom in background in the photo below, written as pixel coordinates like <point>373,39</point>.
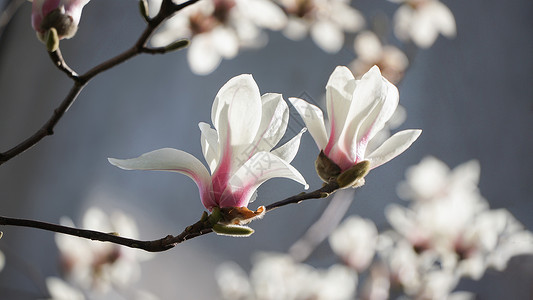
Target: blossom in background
<point>218,28</point>
<point>325,20</point>
<point>355,241</point>
<point>239,149</point>
<point>277,276</point>
<point>421,21</point>
<point>357,110</point>
<point>450,220</point>
<point>370,51</point>
<point>97,265</point>
<point>63,15</point>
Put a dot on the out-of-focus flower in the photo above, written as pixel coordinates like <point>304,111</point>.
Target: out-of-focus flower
<point>238,151</point>
<point>61,290</point>
<point>326,20</point>
<point>218,28</point>
<point>278,276</point>
<point>357,110</point>
<point>422,20</point>
<point>370,51</point>
<point>63,15</point>
<point>97,265</point>
<point>355,242</point>
<point>451,220</point>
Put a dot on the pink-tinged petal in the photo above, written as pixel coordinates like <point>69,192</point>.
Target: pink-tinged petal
<point>393,147</point>
<point>288,151</point>
<point>173,160</point>
<point>210,147</point>
<point>314,121</point>
<point>258,169</point>
<point>236,111</point>
<point>273,123</point>
<point>339,92</point>
<point>328,36</point>
<point>378,116</point>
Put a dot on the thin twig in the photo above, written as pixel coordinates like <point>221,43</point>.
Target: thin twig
<point>197,229</point>
<point>168,8</point>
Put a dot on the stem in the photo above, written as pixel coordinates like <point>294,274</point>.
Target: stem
<point>203,226</point>
<point>168,8</point>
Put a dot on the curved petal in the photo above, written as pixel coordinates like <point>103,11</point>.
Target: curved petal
<point>235,110</point>
<point>210,148</point>
<point>258,169</point>
<point>173,160</point>
<point>314,121</point>
<point>339,93</point>
<point>288,151</point>
<point>273,123</point>
<point>393,147</point>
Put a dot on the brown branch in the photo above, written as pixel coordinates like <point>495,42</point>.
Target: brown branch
<point>168,8</point>
<point>197,229</point>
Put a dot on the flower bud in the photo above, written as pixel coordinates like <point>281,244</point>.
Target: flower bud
<point>233,230</point>
<point>354,176</point>
<point>62,15</point>
<point>326,168</point>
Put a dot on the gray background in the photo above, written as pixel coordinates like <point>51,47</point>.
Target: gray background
<point>472,96</point>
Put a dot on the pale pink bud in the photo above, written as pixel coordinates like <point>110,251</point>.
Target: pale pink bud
<point>63,15</point>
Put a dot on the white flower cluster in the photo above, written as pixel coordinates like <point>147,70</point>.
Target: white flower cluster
<point>447,232</point>
<point>218,29</point>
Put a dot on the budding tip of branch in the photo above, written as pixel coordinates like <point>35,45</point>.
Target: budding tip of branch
<point>51,40</point>
<point>354,176</point>
<point>233,230</point>
<point>177,45</point>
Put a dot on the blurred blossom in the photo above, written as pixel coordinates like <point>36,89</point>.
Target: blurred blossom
<point>325,20</point>
<point>98,265</point>
<point>370,51</point>
<point>278,276</point>
<point>422,20</point>
<point>357,110</point>
<point>61,290</point>
<point>63,15</point>
<point>238,151</point>
<point>355,242</point>
<point>218,28</point>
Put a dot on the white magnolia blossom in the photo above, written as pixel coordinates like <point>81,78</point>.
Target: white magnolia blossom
<point>357,110</point>
<point>217,29</point>
<point>238,150</point>
<point>422,20</point>
<point>98,265</point>
<point>278,276</point>
<point>325,20</point>
<point>370,51</point>
<point>355,241</point>
<point>450,219</point>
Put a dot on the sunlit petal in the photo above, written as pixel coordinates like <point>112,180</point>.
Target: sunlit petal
<point>288,151</point>
<point>393,147</point>
<point>314,120</point>
<point>210,147</point>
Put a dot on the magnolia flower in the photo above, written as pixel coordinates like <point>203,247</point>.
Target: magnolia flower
<point>326,20</point>
<point>357,110</point>
<point>217,29</point>
<point>96,265</point>
<point>238,150</point>
<point>370,51</point>
<point>422,20</point>
<point>63,15</point>
<point>355,242</point>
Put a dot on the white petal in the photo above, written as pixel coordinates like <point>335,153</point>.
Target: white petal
<point>327,36</point>
<point>296,29</point>
<point>210,147</point>
<point>274,120</point>
<point>202,56</point>
<point>263,13</point>
<point>314,121</point>
<point>393,147</point>
<point>443,19</point>
<point>60,290</point>
<point>258,169</point>
<point>288,151</point>
<point>368,47</point>
<point>225,42</point>
<point>235,111</point>
<point>339,93</point>
<point>347,17</point>
<point>168,159</point>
